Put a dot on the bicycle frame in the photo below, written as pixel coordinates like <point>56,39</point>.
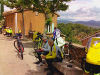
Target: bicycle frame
<point>67,46</point>
<point>38,42</point>
<point>69,52</point>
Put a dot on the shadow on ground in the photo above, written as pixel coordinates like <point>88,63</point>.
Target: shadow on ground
<point>42,72</point>
<point>28,44</point>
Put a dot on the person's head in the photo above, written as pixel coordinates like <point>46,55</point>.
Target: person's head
<point>7,27</point>
<point>55,28</point>
<point>10,28</point>
<point>44,39</point>
<point>50,42</point>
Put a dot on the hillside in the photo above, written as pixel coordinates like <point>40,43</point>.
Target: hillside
<point>91,23</point>
<point>75,31</point>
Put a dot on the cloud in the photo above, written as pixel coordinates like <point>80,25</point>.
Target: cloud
<point>95,9</point>
<point>6,8</point>
<point>81,10</point>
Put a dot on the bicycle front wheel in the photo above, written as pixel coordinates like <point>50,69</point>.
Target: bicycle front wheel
<point>22,49</point>
<point>16,45</point>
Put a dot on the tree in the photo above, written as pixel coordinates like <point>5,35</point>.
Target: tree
<point>49,7</point>
<point>1,9</point>
<point>20,5</point>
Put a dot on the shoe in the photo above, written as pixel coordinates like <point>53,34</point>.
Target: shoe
<point>37,62</point>
<point>50,73</point>
<point>46,69</point>
<point>40,64</point>
<point>43,62</point>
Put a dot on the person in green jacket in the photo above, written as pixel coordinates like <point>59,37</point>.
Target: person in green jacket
<point>54,55</point>
<point>10,32</point>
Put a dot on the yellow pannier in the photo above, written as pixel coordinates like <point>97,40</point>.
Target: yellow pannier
<point>93,54</point>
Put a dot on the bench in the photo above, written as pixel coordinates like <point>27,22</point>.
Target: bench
<point>71,70</point>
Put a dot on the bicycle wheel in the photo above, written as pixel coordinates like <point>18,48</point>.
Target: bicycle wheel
<point>39,45</point>
<point>21,49</point>
<point>83,63</point>
<point>16,45</point>
<point>72,55</point>
<point>36,46</point>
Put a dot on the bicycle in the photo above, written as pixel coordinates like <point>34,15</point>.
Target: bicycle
<point>83,64</point>
<point>38,43</point>
<point>19,46</point>
<point>69,52</point>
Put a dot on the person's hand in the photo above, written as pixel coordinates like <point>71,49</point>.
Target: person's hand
<point>43,57</point>
<point>41,48</point>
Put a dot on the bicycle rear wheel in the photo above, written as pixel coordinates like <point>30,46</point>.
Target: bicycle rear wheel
<point>72,55</point>
<point>16,45</point>
<point>83,63</point>
<point>36,46</point>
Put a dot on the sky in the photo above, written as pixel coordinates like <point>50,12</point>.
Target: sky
<point>79,10</point>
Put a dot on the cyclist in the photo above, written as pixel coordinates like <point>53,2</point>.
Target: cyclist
<point>7,31</point>
<point>43,50</point>
<point>56,34</point>
<point>54,55</point>
<point>10,32</point>
<point>19,33</point>
<point>92,58</point>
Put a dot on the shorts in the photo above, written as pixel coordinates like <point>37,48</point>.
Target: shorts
<point>93,68</point>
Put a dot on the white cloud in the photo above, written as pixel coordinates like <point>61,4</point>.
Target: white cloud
<point>79,10</point>
<point>6,8</point>
<point>82,10</point>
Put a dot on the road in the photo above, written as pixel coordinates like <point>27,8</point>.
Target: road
<point>10,62</point>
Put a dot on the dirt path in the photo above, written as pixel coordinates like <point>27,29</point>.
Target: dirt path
<point>11,64</point>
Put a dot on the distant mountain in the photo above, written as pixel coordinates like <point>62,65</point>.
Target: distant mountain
<point>91,23</point>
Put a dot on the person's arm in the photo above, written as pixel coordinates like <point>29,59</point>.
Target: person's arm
<point>46,47</point>
<point>54,54</point>
<point>48,56</point>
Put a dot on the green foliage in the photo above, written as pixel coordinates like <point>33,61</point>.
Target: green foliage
<point>2,22</point>
<point>18,4</point>
<point>48,21</point>
<point>50,6</point>
<point>76,31</point>
<point>1,9</point>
